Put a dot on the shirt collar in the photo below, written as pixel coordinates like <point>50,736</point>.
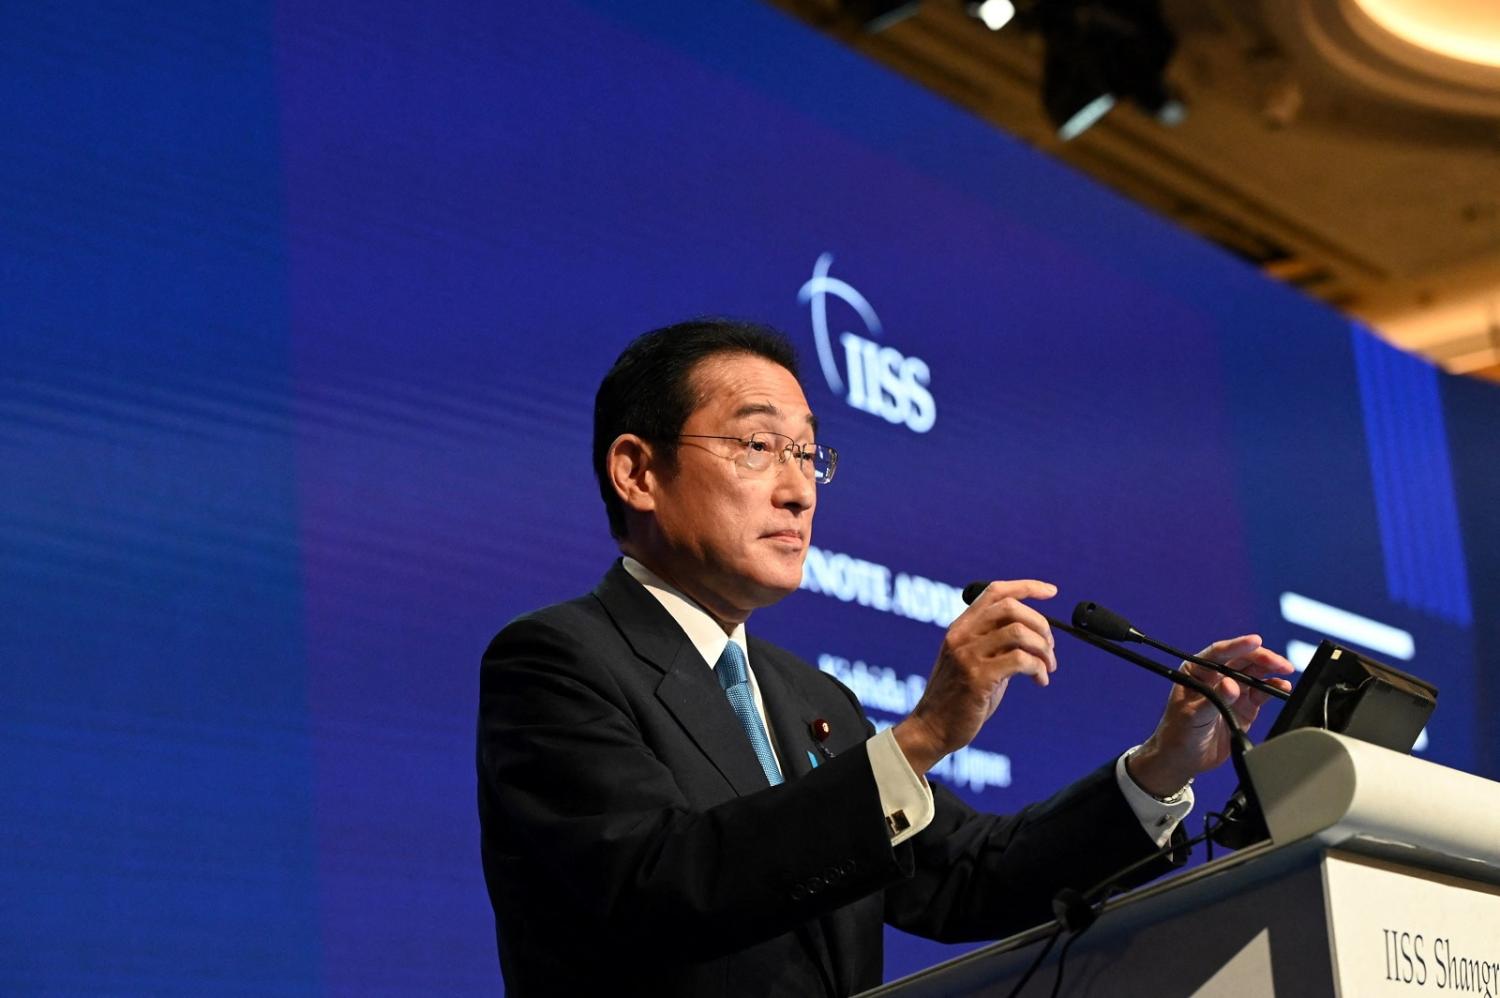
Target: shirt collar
<point>701,628</point>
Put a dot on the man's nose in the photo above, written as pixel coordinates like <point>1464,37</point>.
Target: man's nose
<point>794,485</point>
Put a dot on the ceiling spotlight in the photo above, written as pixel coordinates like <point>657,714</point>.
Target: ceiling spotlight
<point>1075,94</point>
<point>1467,32</point>
<point>995,14</point>
<point>1100,52</point>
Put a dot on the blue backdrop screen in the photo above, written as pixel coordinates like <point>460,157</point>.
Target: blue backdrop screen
<point>303,309</point>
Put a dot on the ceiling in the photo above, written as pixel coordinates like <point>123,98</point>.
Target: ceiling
<point>1338,158</point>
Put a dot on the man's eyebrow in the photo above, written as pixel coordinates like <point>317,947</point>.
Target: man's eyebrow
<point>767,409</point>
<point>756,409</point>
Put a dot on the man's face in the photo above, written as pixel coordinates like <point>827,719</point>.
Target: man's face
<point>736,537</point>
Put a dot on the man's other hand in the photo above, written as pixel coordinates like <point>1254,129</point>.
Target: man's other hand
<point>1191,737</point>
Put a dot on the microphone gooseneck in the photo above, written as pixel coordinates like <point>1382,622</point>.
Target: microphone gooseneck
<point>1108,624</point>
<point>1239,742</point>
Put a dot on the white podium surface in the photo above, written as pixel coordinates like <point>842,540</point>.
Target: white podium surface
<point>1382,877</point>
<point>1352,794</point>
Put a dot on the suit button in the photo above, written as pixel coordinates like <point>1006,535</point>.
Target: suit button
<point>816,884</point>
<point>832,874</point>
<point>799,892</point>
<point>848,868</point>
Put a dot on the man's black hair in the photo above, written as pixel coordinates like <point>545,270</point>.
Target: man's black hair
<point>650,392</point>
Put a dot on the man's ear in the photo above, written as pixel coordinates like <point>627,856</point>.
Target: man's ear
<point>632,465</point>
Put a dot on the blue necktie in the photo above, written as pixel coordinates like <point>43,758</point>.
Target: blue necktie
<point>735,679</point>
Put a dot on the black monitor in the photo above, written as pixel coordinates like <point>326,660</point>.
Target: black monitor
<point>1343,691</point>
<point>1352,694</point>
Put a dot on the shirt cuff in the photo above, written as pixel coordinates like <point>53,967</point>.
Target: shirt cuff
<point>905,798</point>
<point>1158,818</point>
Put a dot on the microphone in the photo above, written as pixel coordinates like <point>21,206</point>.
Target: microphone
<point>1105,623</point>
<point>1108,624</point>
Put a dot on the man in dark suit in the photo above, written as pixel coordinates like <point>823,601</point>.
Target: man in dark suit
<point>669,806</point>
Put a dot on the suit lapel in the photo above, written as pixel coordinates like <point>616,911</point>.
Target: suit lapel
<point>688,689</point>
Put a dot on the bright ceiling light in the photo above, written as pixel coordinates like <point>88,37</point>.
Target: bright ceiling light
<point>1466,30</point>
<point>995,14</point>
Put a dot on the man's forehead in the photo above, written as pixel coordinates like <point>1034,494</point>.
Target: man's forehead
<point>743,386</point>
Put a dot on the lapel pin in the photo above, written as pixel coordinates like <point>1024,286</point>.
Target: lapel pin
<point>820,730</point>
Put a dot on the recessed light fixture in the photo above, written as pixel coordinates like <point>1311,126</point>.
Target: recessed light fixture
<point>1466,30</point>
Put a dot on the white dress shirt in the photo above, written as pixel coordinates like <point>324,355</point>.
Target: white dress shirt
<point>902,792</point>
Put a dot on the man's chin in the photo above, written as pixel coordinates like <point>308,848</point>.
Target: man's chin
<point>776,589</point>
<point>768,583</point>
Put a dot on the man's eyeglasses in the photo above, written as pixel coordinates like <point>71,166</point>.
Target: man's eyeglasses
<point>763,448</point>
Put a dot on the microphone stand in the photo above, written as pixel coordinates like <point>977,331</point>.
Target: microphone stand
<point>1252,821</point>
<point>1075,912</point>
<point>1243,821</point>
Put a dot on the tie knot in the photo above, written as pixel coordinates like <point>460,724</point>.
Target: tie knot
<point>731,668</point>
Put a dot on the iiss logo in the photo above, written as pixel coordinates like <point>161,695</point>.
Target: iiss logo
<point>881,381</point>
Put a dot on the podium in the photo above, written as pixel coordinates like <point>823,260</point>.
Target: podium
<point>1381,877</point>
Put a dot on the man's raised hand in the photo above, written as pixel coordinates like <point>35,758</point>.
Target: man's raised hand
<point>996,638</point>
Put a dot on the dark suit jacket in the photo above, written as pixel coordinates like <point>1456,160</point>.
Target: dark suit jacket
<point>632,845</point>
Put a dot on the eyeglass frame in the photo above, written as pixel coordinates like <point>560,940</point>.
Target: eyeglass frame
<point>801,450</point>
